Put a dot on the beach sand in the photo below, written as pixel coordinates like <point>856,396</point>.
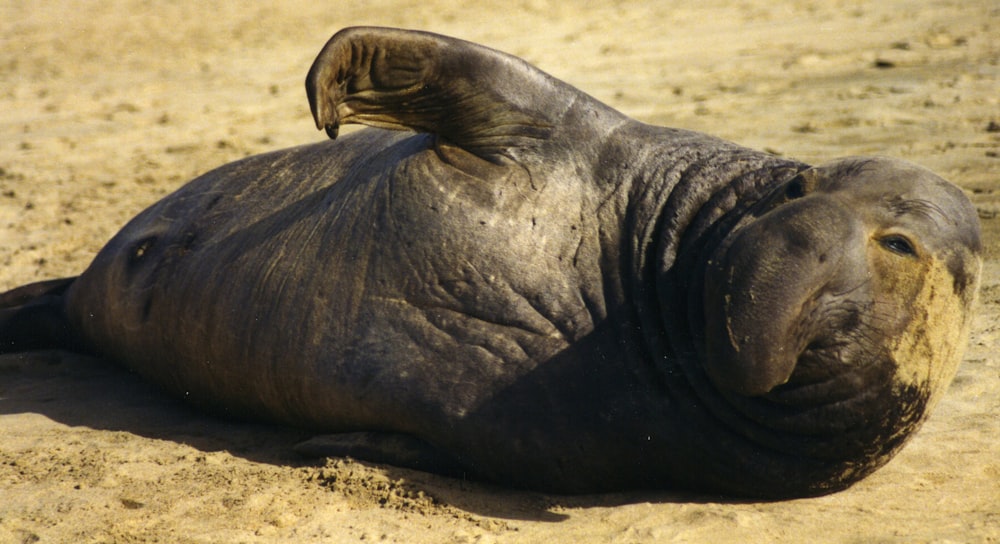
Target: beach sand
<point>106,107</point>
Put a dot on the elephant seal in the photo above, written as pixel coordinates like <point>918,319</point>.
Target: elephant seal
<point>518,283</point>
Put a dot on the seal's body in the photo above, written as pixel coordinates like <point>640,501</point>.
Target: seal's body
<point>537,290</point>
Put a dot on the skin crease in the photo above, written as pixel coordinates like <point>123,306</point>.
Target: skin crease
<point>535,287</point>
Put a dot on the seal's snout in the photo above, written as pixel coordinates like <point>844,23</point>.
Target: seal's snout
<point>764,285</point>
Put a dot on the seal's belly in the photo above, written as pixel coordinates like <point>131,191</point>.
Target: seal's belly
<point>303,289</point>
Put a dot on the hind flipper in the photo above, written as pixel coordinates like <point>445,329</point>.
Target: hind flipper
<point>397,449</point>
<point>32,317</point>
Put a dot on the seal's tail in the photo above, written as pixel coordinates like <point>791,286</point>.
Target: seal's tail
<point>32,317</point>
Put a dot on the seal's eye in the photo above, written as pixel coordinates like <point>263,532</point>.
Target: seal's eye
<point>898,244</point>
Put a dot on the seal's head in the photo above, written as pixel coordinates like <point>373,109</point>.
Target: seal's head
<point>843,298</point>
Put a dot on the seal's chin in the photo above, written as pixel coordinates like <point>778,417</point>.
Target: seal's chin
<point>845,397</point>
<point>857,414</point>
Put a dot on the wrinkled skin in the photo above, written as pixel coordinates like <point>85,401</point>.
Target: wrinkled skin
<point>536,289</point>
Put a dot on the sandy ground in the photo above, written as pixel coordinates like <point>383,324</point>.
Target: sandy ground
<point>107,106</point>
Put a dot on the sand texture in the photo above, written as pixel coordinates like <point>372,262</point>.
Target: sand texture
<point>105,107</point>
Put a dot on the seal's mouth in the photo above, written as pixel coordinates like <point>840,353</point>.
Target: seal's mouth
<point>823,377</point>
<point>855,413</point>
<point>842,387</point>
<point>837,332</point>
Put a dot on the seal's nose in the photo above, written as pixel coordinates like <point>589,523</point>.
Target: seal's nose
<point>763,286</point>
<point>801,185</point>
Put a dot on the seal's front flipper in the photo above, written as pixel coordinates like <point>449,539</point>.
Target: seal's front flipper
<point>476,98</point>
<point>32,317</point>
<point>401,450</point>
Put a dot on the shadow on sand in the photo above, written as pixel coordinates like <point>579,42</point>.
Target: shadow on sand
<point>81,391</point>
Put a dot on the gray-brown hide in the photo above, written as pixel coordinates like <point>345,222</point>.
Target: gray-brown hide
<point>528,286</point>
